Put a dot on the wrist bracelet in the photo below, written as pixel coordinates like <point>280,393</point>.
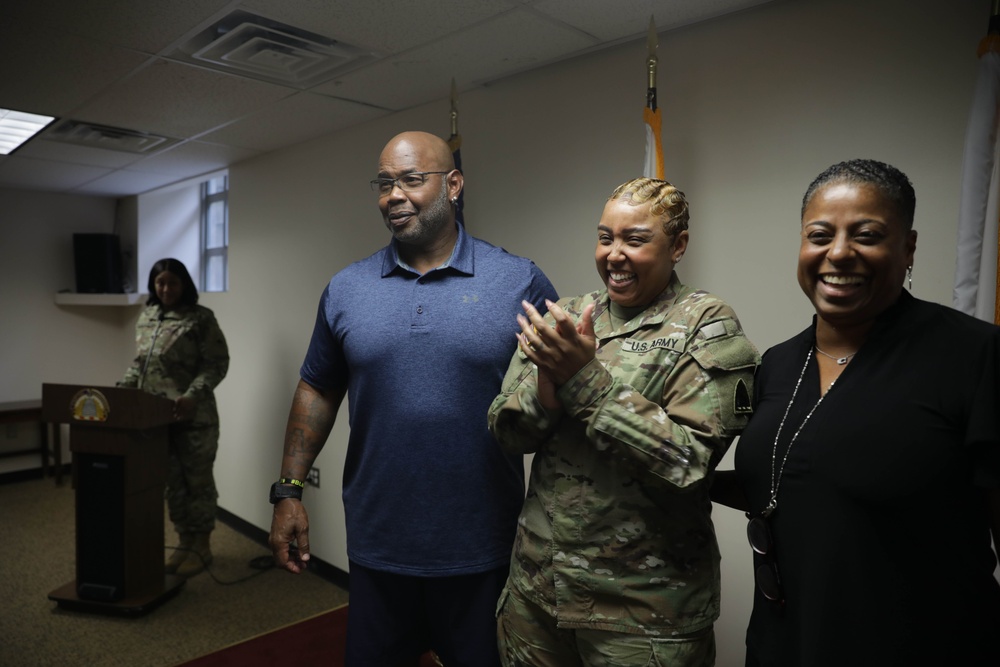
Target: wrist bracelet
<point>297,482</point>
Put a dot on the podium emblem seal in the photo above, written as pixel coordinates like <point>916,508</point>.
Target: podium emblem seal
<point>89,405</point>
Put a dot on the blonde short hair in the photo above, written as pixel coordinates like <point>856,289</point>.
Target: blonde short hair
<point>665,201</point>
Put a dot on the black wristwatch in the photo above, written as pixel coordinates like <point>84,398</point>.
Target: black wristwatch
<point>285,488</point>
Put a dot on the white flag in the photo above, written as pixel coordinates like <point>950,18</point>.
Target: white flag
<point>976,264</point>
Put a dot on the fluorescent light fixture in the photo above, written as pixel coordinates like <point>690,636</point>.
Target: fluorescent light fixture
<point>16,127</point>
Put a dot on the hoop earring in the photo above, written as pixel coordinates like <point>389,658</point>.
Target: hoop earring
<point>909,277</point>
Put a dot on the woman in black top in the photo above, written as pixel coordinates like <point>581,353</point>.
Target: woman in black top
<point>871,467</point>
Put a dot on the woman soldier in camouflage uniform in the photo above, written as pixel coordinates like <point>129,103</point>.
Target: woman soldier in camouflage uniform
<point>628,397</point>
<point>182,355</point>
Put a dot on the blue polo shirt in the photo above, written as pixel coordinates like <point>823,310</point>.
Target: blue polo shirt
<point>427,491</point>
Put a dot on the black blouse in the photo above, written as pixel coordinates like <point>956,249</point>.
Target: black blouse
<point>881,529</point>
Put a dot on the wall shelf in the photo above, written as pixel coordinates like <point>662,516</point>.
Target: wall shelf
<point>73,299</point>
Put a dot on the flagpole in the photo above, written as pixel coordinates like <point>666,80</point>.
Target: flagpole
<point>653,166</point>
<point>454,108</point>
<point>455,144</point>
<point>651,63</point>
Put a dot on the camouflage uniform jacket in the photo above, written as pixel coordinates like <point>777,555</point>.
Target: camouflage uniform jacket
<point>616,531</point>
<point>180,353</point>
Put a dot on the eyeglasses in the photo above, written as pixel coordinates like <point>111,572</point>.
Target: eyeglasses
<point>406,182</point>
<point>765,574</point>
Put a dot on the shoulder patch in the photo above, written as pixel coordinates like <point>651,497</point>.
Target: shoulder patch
<point>742,404</point>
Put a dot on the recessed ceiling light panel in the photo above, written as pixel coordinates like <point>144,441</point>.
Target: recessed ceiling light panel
<point>16,127</point>
<point>246,44</point>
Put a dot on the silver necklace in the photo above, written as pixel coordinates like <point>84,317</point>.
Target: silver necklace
<point>840,360</point>
<point>776,474</point>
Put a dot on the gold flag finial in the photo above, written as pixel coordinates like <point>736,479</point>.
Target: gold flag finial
<point>651,59</point>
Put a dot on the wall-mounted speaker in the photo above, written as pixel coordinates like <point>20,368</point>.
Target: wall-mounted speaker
<point>97,260</point>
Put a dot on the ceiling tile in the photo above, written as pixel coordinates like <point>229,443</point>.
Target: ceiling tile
<point>143,26</point>
<point>630,20</point>
<point>125,182</point>
<point>292,120</point>
<point>57,150</point>
<point>510,43</point>
<point>32,174</point>
<point>385,26</point>
<point>192,158</point>
<point>58,78</point>
<point>179,100</point>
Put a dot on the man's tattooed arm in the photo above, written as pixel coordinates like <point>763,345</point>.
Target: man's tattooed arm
<point>310,421</point>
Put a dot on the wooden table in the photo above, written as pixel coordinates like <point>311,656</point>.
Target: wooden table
<point>19,412</point>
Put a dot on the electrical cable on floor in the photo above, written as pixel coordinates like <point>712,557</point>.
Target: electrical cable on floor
<point>261,563</point>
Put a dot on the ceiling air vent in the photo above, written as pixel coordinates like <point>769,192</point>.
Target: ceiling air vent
<point>110,138</point>
<point>249,45</point>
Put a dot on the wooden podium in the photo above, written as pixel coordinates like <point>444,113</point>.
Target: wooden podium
<point>119,442</point>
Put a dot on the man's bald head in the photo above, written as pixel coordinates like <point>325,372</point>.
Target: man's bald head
<point>428,150</point>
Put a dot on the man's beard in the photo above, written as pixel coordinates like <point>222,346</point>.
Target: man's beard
<point>429,222</point>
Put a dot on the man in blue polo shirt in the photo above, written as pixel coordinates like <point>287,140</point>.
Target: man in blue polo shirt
<point>419,336</point>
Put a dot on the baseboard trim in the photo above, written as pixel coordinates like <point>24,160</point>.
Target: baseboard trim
<point>31,473</point>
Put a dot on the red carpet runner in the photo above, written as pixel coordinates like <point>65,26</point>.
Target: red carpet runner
<point>318,640</point>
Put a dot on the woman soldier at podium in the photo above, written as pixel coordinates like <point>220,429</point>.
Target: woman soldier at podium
<point>182,355</point>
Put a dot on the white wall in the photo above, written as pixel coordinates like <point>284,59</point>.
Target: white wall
<point>39,340</point>
<point>169,222</point>
<point>755,105</point>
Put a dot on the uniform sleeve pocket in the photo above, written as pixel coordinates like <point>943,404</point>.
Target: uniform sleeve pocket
<point>729,359</point>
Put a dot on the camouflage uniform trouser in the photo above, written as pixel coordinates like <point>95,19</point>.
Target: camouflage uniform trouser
<point>528,637</point>
<point>191,494</point>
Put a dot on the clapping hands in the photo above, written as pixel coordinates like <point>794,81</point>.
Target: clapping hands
<point>560,350</point>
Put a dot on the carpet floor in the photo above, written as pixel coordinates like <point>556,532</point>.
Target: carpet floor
<point>318,640</point>
<point>227,604</point>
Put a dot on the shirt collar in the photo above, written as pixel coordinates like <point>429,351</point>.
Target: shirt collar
<point>462,257</point>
